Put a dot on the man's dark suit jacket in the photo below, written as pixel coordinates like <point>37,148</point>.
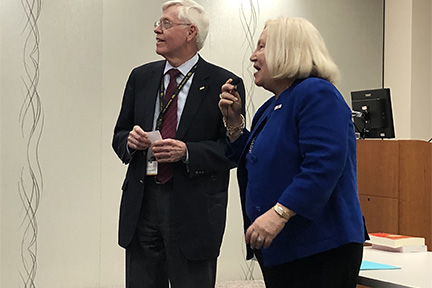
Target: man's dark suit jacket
<point>201,186</point>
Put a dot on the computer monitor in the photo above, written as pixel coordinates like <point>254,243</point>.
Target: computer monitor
<point>372,113</point>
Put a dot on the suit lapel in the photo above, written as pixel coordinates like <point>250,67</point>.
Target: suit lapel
<point>262,117</point>
<point>148,100</point>
<point>196,95</point>
<point>260,123</point>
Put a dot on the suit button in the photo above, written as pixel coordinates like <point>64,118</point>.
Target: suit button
<point>258,208</point>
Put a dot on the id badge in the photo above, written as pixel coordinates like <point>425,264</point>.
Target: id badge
<point>152,165</point>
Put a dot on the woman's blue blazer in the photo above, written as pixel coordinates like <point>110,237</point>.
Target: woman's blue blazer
<point>301,152</point>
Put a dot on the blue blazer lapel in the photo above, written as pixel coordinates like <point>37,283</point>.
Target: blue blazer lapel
<point>260,116</point>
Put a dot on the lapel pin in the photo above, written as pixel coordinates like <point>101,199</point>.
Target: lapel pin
<point>277,107</point>
<point>202,88</point>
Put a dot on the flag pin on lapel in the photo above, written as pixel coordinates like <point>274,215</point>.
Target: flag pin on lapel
<point>277,107</point>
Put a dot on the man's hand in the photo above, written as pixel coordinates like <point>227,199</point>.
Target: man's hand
<point>138,139</point>
<point>169,150</point>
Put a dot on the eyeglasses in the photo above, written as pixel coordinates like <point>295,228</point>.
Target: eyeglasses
<point>167,24</point>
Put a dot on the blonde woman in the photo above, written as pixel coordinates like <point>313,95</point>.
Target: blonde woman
<point>297,164</point>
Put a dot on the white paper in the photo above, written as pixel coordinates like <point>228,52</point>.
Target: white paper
<point>154,136</point>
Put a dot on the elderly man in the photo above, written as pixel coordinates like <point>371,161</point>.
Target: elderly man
<point>173,207</point>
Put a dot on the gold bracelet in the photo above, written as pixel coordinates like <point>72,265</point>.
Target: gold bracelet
<point>284,213</point>
<point>235,130</point>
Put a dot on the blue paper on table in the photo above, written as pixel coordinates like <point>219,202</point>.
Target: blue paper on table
<point>368,265</point>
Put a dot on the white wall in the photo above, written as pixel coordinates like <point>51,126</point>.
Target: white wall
<point>408,66</point>
<point>87,49</point>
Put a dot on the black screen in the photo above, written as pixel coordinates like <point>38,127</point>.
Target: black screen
<point>377,117</point>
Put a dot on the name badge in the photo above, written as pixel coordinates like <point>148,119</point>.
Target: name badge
<point>152,168</point>
<point>152,164</point>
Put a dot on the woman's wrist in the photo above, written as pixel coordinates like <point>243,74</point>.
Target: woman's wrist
<point>284,212</point>
<point>234,131</point>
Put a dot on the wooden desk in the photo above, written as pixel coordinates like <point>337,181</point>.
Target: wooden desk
<point>416,270</point>
<point>395,186</point>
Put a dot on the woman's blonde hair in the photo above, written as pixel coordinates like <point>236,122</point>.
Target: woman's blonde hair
<point>295,49</point>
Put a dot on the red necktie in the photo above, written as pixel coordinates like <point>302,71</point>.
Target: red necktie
<point>169,124</point>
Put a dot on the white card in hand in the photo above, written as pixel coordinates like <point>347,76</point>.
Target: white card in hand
<point>154,136</point>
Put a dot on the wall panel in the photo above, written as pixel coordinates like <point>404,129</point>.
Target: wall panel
<point>85,51</point>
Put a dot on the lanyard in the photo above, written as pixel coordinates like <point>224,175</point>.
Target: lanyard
<point>163,108</point>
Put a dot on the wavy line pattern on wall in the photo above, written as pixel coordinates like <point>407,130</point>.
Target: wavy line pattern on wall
<point>31,119</point>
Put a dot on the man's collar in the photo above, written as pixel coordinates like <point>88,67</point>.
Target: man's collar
<point>185,67</point>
